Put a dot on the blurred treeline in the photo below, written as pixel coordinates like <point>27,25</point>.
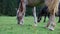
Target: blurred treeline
<point>8,8</point>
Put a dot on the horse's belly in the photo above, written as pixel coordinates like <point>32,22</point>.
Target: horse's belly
<point>33,2</point>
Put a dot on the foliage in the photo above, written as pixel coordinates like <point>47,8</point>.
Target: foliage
<point>8,7</point>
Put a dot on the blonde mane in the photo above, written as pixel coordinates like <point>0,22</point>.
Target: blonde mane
<point>52,5</point>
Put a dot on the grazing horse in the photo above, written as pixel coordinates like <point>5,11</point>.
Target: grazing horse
<point>44,12</point>
<point>22,8</point>
<point>52,8</point>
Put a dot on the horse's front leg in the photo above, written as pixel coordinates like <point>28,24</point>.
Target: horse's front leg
<point>51,24</point>
<point>39,17</point>
<point>34,14</point>
<point>44,18</point>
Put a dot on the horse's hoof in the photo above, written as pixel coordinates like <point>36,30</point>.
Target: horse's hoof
<point>38,21</point>
<point>35,24</point>
<point>21,24</point>
<point>51,28</point>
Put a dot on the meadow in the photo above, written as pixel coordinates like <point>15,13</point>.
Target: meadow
<point>8,25</point>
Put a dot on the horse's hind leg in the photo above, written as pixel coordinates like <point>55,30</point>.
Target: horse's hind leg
<point>39,17</point>
<point>34,14</point>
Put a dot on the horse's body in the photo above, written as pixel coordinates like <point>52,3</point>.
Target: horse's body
<point>52,7</point>
<point>22,9</point>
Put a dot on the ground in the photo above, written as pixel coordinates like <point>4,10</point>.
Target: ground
<point>8,25</point>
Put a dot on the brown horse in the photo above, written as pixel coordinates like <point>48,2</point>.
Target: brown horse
<point>52,6</point>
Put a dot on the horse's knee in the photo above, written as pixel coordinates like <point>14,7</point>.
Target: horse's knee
<point>52,12</point>
<point>53,24</point>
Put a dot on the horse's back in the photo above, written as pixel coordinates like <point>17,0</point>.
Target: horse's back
<point>34,2</point>
<point>51,3</point>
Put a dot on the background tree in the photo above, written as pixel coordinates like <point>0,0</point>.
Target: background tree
<point>8,8</point>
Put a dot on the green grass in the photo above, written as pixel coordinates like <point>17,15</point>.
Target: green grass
<point>8,25</point>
